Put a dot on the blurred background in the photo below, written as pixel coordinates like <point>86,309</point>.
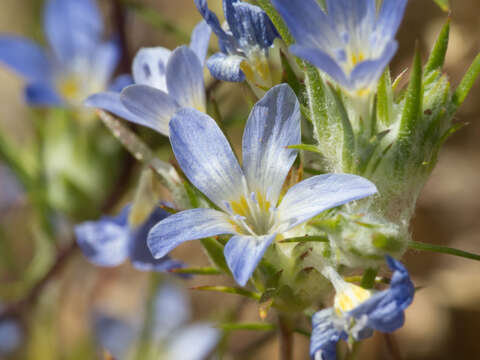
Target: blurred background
<point>444,319</point>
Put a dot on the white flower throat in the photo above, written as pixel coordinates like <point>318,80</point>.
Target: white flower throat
<point>253,215</point>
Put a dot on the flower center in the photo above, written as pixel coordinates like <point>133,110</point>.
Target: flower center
<point>349,298</point>
<point>253,215</point>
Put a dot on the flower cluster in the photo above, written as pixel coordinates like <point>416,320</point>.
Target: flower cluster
<point>333,157</point>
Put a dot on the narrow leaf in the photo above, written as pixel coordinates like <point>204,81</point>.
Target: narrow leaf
<point>215,253</point>
<point>417,245</point>
<point>444,4</point>
<point>385,99</point>
<point>467,82</point>
<point>230,290</point>
<point>306,147</point>
<point>437,56</point>
<point>312,238</point>
<point>290,76</point>
<point>197,271</point>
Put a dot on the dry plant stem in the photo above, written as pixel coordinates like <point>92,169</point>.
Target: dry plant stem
<point>286,338</point>
<point>392,347</point>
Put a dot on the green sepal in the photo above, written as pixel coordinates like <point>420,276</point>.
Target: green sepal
<point>315,88</point>
<point>386,243</point>
<point>230,290</point>
<point>385,99</point>
<point>411,115</point>
<point>467,82</point>
<point>368,279</point>
<point>439,51</point>
<point>290,77</point>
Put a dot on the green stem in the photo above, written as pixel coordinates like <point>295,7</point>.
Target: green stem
<point>417,245</point>
<point>368,279</point>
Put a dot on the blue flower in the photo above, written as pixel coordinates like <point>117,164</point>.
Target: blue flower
<point>248,196</point>
<point>80,63</point>
<point>358,311</point>
<point>165,82</point>
<point>172,337</point>
<point>11,336</point>
<point>244,44</point>
<point>351,42</point>
<point>112,240</point>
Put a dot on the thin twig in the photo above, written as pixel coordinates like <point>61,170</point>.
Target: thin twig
<point>286,338</point>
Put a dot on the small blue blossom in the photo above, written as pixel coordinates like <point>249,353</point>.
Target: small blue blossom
<point>79,64</point>
<point>357,312</point>
<point>352,42</point>
<point>112,240</point>
<point>172,337</point>
<point>248,196</point>
<point>244,43</point>
<point>165,81</point>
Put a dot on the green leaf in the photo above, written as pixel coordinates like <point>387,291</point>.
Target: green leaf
<point>215,253</point>
<point>417,245</point>
<point>230,290</point>
<point>312,238</point>
<point>306,147</point>
<point>197,271</point>
<point>444,4</point>
<point>277,20</point>
<point>409,124</point>
<point>316,101</point>
<point>385,99</point>
<point>467,82</point>
<point>290,76</point>
<point>437,56</point>
<point>247,326</point>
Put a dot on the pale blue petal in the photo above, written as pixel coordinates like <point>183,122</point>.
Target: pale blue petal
<point>243,253</point>
<point>323,61</point>
<point>11,336</point>
<point>325,336</point>
<point>319,193</point>
<point>140,255</point>
<point>367,73</point>
<point>153,107</point>
<point>105,242</point>
<point>273,125</point>
<point>226,67</point>
<point>110,101</point>
<point>120,82</point>
<point>104,61</point>
<point>185,79</point>
<point>150,67</point>
<point>25,58</point>
<point>171,309</point>
<point>73,27</point>
<point>390,17</point>
<point>385,309</point>
<point>194,342</point>
<point>352,16</point>
<point>42,95</point>
<point>114,335</point>
<point>187,225</point>
<point>251,26</point>
<point>200,39</point>
<point>206,157</point>
<point>307,22</point>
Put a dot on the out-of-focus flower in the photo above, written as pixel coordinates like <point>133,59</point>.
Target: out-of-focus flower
<point>244,42</point>
<point>165,81</point>
<point>112,240</point>
<point>248,196</point>
<point>80,63</point>
<point>357,311</point>
<point>11,336</point>
<point>170,335</point>
<point>352,42</point>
